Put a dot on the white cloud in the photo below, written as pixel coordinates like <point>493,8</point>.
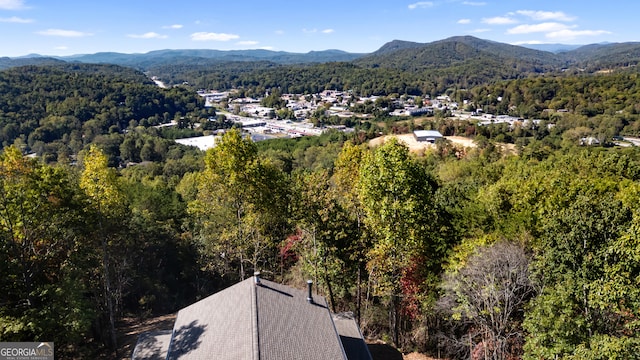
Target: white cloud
<point>12,4</point>
<point>536,28</point>
<point>17,20</point>
<point>327,31</point>
<point>63,33</point>
<point>421,5</point>
<point>546,15</point>
<point>149,35</point>
<point>567,34</point>
<point>247,42</point>
<point>210,36</point>
<point>473,3</point>
<point>267,48</point>
<point>499,20</point>
<point>309,31</point>
<point>174,26</point>
<point>464,21</point>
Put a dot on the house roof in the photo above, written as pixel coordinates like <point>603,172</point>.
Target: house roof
<point>290,327</point>
<point>351,337</point>
<point>152,345</point>
<point>263,320</point>
<point>427,133</point>
<point>219,326</point>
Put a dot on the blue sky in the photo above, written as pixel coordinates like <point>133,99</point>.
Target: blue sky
<point>56,27</point>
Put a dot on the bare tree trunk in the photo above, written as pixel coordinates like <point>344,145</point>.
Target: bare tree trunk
<point>241,266</point>
<point>359,281</point>
<point>240,239</point>
<point>315,257</point>
<point>359,295</point>
<point>107,290</point>
<point>107,287</point>
<point>329,288</point>
<point>395,320</point>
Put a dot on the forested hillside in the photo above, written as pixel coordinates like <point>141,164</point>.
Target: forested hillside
<point>255,78</point>
<point>456,252</point>
<point>471,50</point>
<point>409,67</point>
<point>300,79</point>
<point>561,241</point>
<point>417,68</point>
<point>457,51</point>
<point>605,56</point>
<point>195,56</point>
<point>6,62</point>
<point>602,106</point>
<point>56,111</point>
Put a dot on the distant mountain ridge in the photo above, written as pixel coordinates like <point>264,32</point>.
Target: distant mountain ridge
<point>553,48</point>
<point>144,60</point>
<point>6,62</point>
<point>395,45</point>
<point>471,52</point>
<point>458,53</point>
<point>615,54</point>
<point>465,51</point>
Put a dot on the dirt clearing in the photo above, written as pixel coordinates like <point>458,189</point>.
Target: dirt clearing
<point>415,146</point>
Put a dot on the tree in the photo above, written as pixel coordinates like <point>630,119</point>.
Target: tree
<point>488,296</point>
<point>616,294</point>
<point>326,231</point>
<point>100,184</point>
<point>396,192</point>
<point>345,179</point>
<point>43,254</point>
<point>274,100</point>
<point>240,207</point>
<point>568,263</point>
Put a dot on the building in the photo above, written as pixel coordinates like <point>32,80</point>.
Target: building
<point>203,143</point>
<point>421,111</point>
<point>250,122</point>
<point>257,319</point>
<point>427,135</point>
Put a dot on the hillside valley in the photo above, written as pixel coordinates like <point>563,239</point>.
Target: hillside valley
<point>511,233</point>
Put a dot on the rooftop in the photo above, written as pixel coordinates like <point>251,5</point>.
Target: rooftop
<point>258,320</point>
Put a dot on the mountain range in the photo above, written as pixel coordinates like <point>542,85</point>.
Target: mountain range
<point>397,54</point>
<point>187,56</point>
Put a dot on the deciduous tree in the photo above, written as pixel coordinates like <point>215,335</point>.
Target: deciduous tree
<point>487,297</point>
<point>397,192</point>
<point>100,184</point>
<point>42,253</point>
<point>240,207</point>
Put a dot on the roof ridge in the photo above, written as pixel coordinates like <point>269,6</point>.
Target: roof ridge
<point>255,336</point>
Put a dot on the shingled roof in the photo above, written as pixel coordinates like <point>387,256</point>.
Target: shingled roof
<point>259,319</point>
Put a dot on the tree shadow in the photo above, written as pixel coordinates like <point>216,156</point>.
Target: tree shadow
<point>186,339</point>
<point>384,352</point>
<point>152,345</point>
<point>276,290</point>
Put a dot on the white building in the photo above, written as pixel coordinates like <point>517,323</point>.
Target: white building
<point>203,143</point>
<point>427,135</point>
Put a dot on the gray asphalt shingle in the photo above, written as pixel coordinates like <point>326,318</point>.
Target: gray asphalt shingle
<point>265,321</point>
